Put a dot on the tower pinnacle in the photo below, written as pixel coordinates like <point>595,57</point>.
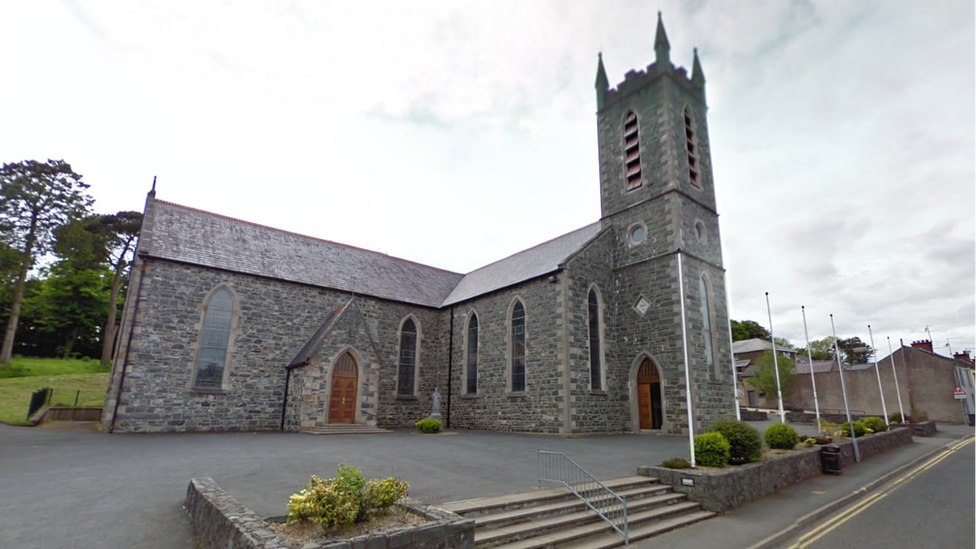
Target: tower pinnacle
<point>697,76</point>
<point>662,48</point>
<point>602,83</point>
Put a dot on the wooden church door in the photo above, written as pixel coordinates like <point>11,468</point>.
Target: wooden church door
<point>342,403</point>
<point>649,402</point>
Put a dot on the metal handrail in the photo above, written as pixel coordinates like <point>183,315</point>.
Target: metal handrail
<point>559,468</point>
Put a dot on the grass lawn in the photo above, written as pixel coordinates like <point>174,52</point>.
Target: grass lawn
<point>65,376</point>
<point>15,392</point>
<point>24,367</point>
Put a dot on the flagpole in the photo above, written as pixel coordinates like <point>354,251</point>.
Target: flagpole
<point>843,388</point>
<point>779,391</point>
<point>735,374</point>
<point>891,357</point>
<point>813,380</point>
<point>684,340</point>
<point>884,409</point>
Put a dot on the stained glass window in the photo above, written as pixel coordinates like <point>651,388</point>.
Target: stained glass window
<point>518,347</point>
<point>408,358</point>
<point>213,345</point>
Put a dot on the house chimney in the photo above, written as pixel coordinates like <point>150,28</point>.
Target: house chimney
<point>963,357</point>
<point>925,345</point>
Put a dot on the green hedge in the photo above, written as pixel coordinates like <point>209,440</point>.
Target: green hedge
<point>428,426</point>
<point>744,440</point>
<point>712,450</point>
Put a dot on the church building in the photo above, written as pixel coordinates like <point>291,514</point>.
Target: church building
<point>233,326</point>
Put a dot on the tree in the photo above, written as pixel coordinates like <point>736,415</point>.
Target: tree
<point>748,329</point>
<point>854,350</point>
<point>784,343</point>
<point>764,376</point>
<point>71,306</point>
<point>822,349</point>
<point>35,198</point>
<point>100,240</point>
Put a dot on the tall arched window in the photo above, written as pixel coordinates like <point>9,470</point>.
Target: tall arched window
<point>632,163</point>
<point>518,347</point>
<point>212,357</point>
<point>471,385</point>
<point>593,307</point>
<point>707,325</point>
<point>407,367</point>
<point>692,149</point>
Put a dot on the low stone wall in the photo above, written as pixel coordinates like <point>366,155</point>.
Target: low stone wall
<point>66,413</point>
<point>736,486</point>
<point>924,429</point>
<point>219,521</point>
<point>810,417</point>
<point>753,415</point>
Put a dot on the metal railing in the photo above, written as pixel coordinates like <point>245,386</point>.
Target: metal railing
<point>559,468</point>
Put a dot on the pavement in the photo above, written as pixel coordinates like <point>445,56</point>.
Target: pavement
<point>69,486</point>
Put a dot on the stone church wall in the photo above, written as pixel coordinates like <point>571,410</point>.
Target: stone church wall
<point>606,409</point>
<point>274,321</point>
<point>540,408</point>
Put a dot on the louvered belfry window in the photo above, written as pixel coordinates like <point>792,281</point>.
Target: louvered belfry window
<point>692,150</point>
<point>632,162</point>
<point>472,358</point>
<point>518,347</point>
<point>408,359</point>
<point>707,326</point>
<point>213,344</point>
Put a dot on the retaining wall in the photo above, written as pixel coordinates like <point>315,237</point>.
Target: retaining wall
<point>219,521</point>
<point>736,486</point>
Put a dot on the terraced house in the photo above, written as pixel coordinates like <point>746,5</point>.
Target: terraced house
<point>230,325</point>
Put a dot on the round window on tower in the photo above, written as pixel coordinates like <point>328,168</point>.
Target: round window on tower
<point>637,233</point>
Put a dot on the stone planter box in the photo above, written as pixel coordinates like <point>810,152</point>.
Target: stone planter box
<point>735,486</point>
<point>219,521</point>
<point>924,429</point>
<point>753,415</point>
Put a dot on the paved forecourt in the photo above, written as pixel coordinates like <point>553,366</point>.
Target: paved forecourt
<point>69,486</point>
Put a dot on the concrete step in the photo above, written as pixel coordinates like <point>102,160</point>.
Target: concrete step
<point>569,504</point>
<point>343,429</point>
<point>648,508</point>
<point>485,505</point>
<point>638,531</point>
<point>596,535</point>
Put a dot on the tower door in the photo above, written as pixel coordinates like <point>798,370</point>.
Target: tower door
<point>650,405</point>
<point>342,401</point>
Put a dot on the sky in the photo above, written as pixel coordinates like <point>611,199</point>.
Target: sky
<point>843,133</point>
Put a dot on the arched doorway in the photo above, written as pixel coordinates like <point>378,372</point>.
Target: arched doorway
<point>649,401</point>
<point>342,400</point>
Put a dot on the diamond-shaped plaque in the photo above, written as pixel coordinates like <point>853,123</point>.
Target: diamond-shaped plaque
<point>642,305</point>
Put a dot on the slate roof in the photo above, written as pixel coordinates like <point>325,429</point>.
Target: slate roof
<point>819,366</point>
<point>525,265</point>
<point>313,342</point>
<point>188,235</point>
<point>755,344</point>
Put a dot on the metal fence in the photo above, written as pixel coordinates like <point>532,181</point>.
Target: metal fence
<point>559,468</point>
<point>38,399</point>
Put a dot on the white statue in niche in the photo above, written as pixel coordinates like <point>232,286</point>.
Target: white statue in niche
<point>436,404</point>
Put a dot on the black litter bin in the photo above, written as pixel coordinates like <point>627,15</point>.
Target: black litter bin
<point>830,459</point>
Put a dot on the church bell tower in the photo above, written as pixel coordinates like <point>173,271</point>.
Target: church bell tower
<point>657,193</point>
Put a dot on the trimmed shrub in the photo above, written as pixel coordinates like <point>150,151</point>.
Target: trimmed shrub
<point>876,424</point>
<point>744,440</point>
<point>712,450</point>
<point>782,437</point>
<point>810,442</point>
<point>845,429</point>
<point>428,426</point>
<point>344,500</point>
<point>826,427</point>
<point>676,463</point>
<point>895,417</point>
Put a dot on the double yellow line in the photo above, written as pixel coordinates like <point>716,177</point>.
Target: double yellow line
<point>814,535</point>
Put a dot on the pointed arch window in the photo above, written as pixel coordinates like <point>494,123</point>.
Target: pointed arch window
<point>471,360</point>
<point>596,374</point>
<point>518,347</point>
<point>692,149</point>
<point>707,326</point>
<point>407,366</point>
<point>632,163</point>
<point>214,341</point>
